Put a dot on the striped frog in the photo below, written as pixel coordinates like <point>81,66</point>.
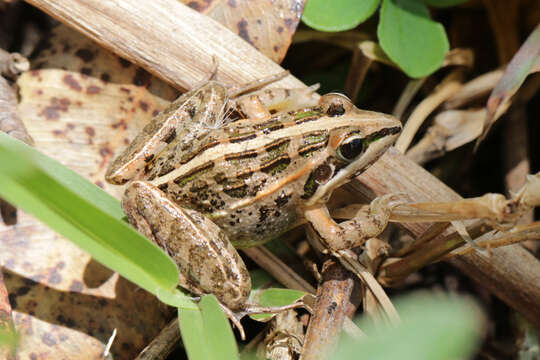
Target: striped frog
<point>199,187</point>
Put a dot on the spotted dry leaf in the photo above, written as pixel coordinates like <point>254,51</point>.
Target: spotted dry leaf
<point>66,305</point>
<point>69,50</point>
<point>268,25</point>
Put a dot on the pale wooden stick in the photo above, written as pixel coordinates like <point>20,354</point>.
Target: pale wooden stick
<point>167,38</point>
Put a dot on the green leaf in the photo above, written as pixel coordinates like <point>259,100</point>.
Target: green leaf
<point>218,331</point>
<point>206,333</point>
<point>192,330</point>
<point>432,327</point>
<point>83,213</point>
<point>273,297</point>
<point>444,3</point>
<point>175,298</point>
<point>8,337</point>
<point>337,15</point>
<point>410,38</point>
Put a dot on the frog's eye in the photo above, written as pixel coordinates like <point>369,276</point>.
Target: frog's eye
<point>351,148</point>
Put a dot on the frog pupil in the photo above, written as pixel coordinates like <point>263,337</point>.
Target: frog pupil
<point>351,149</point>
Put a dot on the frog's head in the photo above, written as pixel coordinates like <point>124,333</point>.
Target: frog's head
<point>359,141</point>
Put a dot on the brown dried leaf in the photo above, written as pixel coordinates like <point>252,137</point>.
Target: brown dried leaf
<point>524,62</point>
<point>66,305</point>
<point>268,25</point>
<point>69,50</point>
<point>450,130</point>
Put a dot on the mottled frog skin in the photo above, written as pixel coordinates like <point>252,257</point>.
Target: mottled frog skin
<point>243,182</point>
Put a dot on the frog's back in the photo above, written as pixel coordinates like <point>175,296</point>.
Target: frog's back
<point>251,179</point>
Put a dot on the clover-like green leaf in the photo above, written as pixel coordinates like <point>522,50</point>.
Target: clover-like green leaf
<point>444,3</point>
<point>410,38</point>
<point>337,15</point>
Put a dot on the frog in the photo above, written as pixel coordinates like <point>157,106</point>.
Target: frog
<point>222,169</point>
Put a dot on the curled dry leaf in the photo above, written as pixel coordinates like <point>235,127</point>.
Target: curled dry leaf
<point>69,50</point>
<point>284,338</point>
<point>450,130</point>
<point>12,64</point>
<point>524,62</point>
<point>268,25</point>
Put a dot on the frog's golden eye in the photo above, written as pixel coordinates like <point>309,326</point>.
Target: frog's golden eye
<point>351,148</point>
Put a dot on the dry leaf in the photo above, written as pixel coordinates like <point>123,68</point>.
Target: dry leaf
<point>450,130</point>
<point>69,50</point>
<point>524,62</point>
<point>268,25</point>
<point>66,305</point>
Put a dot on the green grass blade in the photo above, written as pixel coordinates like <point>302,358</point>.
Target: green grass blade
<point>83,213</point>
<point>217,330</point>
<point>206,333</point>
<point>193,337</point>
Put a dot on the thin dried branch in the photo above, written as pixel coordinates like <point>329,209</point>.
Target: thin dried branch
<point>331,309</point>
<point>11,124</point>
<point>357,72</point>
<point>163,344</point>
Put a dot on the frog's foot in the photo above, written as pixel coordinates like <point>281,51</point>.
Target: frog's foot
<point>204,255</point>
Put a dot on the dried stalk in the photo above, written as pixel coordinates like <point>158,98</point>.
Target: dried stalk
<point>511,273</point>
<point>333,302</point>
<point>450,85</point>
<point>163,344</point>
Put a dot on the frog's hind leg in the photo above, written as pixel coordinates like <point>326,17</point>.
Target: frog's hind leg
<point>207,261</point>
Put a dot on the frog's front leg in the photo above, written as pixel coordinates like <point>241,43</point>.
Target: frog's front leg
<point>352,233</point>
<point>207,261</point>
